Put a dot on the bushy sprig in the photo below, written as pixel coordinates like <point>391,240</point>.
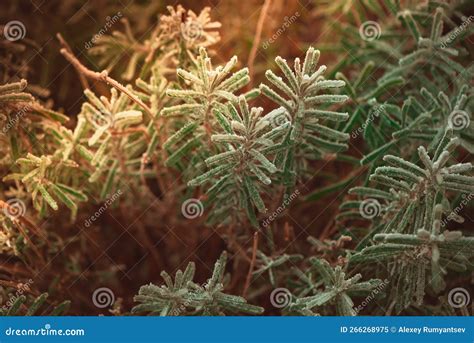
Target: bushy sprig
<point>185,297</point>
<point>303,98</point>
<point>338,290</point>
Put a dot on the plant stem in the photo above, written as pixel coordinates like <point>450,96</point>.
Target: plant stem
<point>102,76</point>
<point>257,38</point>
<point>252,264</point>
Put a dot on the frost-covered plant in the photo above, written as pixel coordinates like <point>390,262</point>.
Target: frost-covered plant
<point>413,191</point>
<point>243,168</point>
<point>386,131</point>
<point>337,290</point>
<point>185,297</point>
<point>303,98</point>
<point>203,91</point>
<point>420,260</point>
<point>173,41</point>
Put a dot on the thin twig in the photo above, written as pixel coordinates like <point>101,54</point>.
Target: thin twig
<point>257,38</point>
<point>104,77</point>
<point>252,264</point>
<point>84,82</point>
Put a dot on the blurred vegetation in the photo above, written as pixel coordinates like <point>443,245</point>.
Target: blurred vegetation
<point>315,147</point>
